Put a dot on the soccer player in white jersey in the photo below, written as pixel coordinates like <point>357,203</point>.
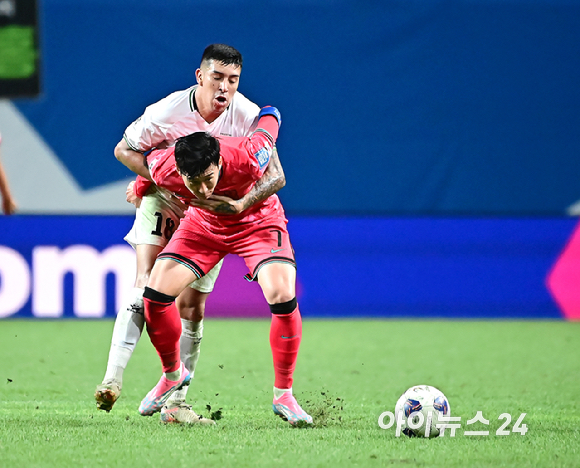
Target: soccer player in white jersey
<point>215,106</point>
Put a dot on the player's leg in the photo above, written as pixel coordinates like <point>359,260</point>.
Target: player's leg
<point>168,279</point>
<point>127,330</point>
<point>154,223</point>
<point>277,281</point>
<point>191,306</point>
<point>185,259</point>
<point>269,256</point>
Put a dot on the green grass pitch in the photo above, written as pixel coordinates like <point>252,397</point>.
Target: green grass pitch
<point>348,373</point>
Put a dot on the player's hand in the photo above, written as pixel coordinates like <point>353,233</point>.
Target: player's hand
<point>219,204</point>
<point>130,194</point>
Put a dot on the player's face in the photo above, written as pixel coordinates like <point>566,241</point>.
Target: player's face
<point>217,85</point>
<point>204,184</point>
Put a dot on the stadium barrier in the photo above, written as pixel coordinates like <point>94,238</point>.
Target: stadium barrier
<point>55,267</point>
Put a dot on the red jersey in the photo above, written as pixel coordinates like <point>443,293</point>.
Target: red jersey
<point>244,161</point>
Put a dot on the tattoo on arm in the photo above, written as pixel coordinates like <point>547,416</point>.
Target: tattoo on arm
<point>271,181</point>
<point>225,208</point>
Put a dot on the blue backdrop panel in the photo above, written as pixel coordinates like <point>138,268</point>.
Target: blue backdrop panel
<point>427,267</point>
<point>415,106</point>
<point>351,267</point>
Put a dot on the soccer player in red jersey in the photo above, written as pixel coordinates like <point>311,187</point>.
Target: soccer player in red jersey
<point>199,167</point>
<point>213,105</point>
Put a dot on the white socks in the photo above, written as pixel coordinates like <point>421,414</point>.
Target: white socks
<point>129,325</point>
<point>126,333</point>
<point>278,392</point>
<point>173,376</point>
<point>189,343</point>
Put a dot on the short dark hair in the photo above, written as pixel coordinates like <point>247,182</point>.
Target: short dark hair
<point>223,53</point>
<point>195,153</point>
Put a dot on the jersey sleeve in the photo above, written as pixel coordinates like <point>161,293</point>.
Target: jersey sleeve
<point>269,125</point>
<point>160,162</point>
<point>260,144</point>
<point>255,153</point>
<point>151,129</point>
<point>141,186</point>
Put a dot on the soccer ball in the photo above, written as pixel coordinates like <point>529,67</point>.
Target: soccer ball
<point>418,406</point>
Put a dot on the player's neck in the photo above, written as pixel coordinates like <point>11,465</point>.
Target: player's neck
<point>209,116</point>
<point>206,111</point>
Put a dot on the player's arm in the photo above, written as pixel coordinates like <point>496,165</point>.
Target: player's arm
<point>131,196</point>
<point>132,159</point>
<point>271,181</point>
<point>273,178</point>
<point>267,185</point>
<point>8,203</point>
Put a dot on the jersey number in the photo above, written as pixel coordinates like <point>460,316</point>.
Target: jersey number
<point>277,231</point>
<point>169,226</point>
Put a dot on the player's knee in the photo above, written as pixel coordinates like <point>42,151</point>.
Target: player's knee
<point>142,279</point>
<point>284,308</point>
<point>191,304</point>
<point>156,296</point>
<point>192,313</point>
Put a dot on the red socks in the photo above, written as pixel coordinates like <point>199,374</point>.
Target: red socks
<point>285,336</point>
<point>164,329</point>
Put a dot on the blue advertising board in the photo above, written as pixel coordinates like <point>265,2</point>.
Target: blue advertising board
<point>79,267</point>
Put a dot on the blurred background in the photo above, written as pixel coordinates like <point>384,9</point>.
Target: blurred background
<point>431,149</point>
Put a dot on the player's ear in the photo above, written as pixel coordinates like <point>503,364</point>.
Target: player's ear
<point>198,75</point>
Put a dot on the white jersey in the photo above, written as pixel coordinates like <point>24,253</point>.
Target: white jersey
<point>160,126</point>
<point>176,115</point>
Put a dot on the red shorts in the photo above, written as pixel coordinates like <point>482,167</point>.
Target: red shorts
<point>259,244</point>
